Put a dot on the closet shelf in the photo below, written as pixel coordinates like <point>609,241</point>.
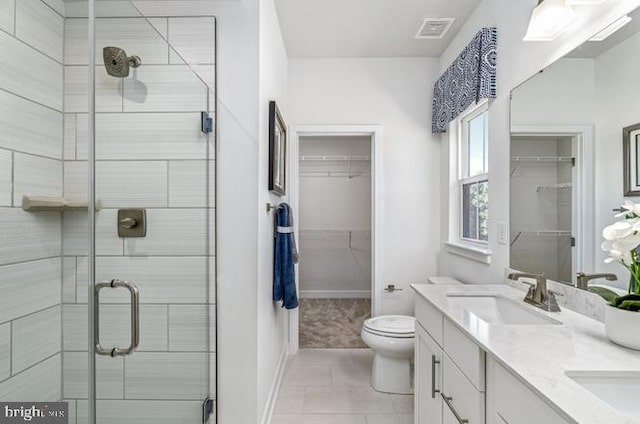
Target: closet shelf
<point>328,231</point>
<point>542,159</point>
<point>543,232</point>
<point>48,203</point>
<point>335,158</point>
<point>343,238</point>
<point>555,186</point>
<point>340,174</point>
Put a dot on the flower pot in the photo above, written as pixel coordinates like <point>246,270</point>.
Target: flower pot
<point>622,326</point>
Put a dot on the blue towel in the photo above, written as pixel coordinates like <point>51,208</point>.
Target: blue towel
<point>284,259</point>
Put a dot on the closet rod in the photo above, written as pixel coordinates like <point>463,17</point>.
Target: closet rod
<point>335,158</point>
<point>542,159</point>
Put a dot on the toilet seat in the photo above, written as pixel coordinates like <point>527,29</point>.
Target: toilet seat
<point>393,326</point>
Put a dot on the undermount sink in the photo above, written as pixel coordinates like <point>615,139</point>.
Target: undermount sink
<point>498,310</point>
<point>619,389</point>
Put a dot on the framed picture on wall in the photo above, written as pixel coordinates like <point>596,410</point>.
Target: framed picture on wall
<point>277,151</point>
<point>631,149</point>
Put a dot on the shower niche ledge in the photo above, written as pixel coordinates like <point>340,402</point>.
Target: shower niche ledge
<point>48,203</point>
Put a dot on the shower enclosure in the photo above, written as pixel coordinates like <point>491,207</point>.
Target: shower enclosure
<point>107,211</point>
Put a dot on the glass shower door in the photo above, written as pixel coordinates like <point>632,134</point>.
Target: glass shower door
<point>153,159</point>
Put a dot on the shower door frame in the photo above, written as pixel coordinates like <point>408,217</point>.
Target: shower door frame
<point>91,211</point>
<point>211,269</point>
<point>376,135</point>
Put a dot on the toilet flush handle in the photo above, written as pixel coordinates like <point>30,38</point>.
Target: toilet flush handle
<point>391,288</point>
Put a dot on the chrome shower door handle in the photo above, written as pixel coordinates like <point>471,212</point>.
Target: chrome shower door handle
<point>135,318</point>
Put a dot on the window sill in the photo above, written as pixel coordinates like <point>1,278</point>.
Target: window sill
<point>469,251</point>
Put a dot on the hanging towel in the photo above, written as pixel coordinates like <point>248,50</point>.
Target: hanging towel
<point>285,256</point>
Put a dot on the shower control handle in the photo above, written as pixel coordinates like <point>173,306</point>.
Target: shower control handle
<point>135,318</point>
<point>128,223</point>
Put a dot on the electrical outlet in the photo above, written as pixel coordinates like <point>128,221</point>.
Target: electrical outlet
<point>503,233</point>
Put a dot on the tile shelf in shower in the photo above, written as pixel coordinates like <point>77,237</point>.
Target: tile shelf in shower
<point>47,203</point>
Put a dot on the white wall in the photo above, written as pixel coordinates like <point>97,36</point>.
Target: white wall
<point>571,84</point>
<point>31,105</point>
<point>273,320</point>
<point>395,93</point>
<point>336,197</point>
<point>517,61</point>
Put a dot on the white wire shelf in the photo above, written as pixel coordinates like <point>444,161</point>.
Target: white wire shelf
<point>539,233</point>
<point>543,232</point>
<point>335,174</point>
<point>555,186</point>
<point>542,159</point>
<point>330,231</point>
<point>335,158</point>
<point>335,166</point>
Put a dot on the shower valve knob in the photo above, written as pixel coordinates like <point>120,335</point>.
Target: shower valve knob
<point>128,223</point>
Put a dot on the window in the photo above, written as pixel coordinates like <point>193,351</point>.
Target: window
<point>473,180</point>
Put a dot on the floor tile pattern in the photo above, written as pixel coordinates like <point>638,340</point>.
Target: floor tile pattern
<point>332,386</point>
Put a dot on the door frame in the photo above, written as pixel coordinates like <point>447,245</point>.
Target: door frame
<point>582,198</point>
<point>375,132</point>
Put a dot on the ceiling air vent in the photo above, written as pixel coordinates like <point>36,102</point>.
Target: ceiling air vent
<point>434,28</point>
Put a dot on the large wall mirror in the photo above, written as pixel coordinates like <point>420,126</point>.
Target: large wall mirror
<point>567,159</point>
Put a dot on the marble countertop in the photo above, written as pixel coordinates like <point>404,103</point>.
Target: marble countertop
<point>539,355</point>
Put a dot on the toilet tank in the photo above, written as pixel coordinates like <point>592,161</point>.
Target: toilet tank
<point>443,280</point>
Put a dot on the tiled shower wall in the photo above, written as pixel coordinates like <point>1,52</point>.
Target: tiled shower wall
<point>31,106</point>
<point>150,154</point>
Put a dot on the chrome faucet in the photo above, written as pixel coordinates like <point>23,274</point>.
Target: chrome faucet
<point>583,279</point>
<point>538,295</point>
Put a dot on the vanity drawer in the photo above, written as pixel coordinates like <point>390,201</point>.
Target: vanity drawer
<point>460,396</point>
<point>430,318</point>
<point>465,353</point>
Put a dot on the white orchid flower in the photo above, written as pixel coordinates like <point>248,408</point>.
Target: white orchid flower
<point>619,256</point>
<point>617,230</point>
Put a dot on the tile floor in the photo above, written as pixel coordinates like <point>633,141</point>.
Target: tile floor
<point>332,386</point>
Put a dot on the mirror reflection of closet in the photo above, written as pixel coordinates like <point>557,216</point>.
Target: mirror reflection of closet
<point>541,204</point>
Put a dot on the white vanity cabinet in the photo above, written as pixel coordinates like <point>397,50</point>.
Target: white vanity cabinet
<point>456,382</point>
<point>449,372</point>
<point>428,366</point>
<point>509,401</point>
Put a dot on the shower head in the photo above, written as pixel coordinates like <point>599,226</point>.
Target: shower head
<point>117,63</point>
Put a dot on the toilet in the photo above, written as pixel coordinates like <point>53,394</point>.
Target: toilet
<point>391,337</point>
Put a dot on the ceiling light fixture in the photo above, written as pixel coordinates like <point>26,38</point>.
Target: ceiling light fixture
<point>549,19</point>
<point>611,29</point>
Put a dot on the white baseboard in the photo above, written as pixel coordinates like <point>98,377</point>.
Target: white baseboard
<point>275,387</point>
<point>335,294</point>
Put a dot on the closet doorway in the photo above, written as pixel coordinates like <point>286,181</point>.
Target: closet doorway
<point>334,184</point>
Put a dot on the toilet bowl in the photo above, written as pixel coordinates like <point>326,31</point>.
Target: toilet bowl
<point>391,337</point>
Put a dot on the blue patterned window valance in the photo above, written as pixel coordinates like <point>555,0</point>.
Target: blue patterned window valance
<point>471,77</point>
